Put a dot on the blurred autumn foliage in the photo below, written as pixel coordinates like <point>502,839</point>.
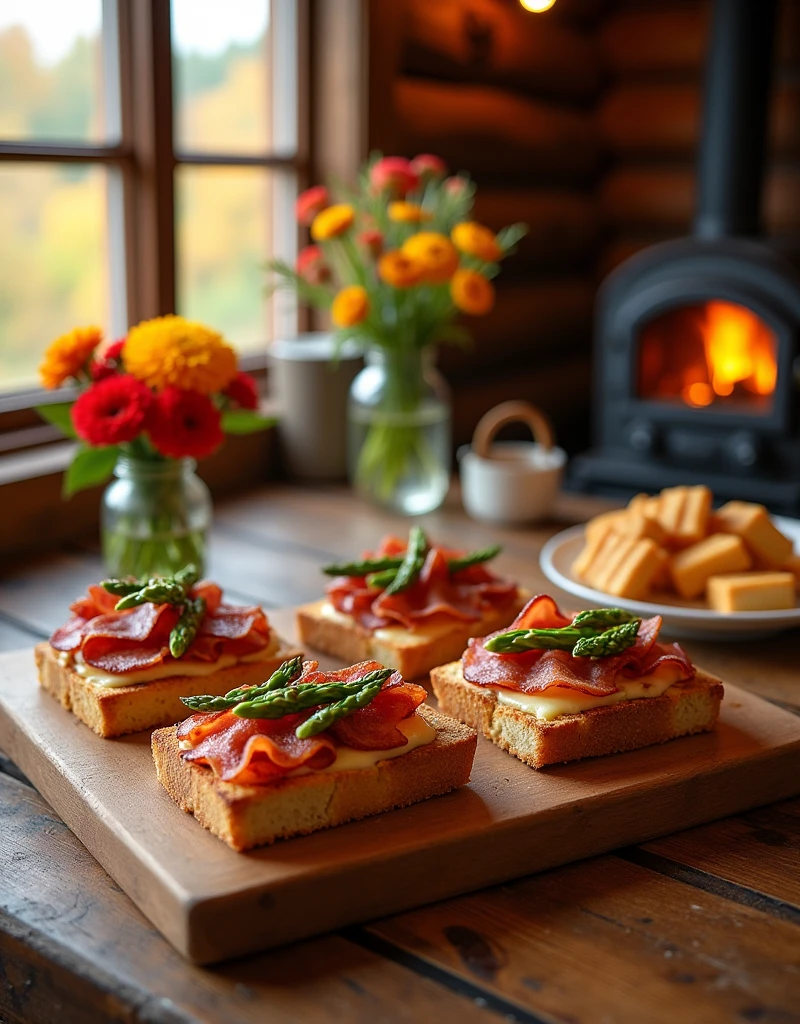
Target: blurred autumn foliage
<point>54,246</point>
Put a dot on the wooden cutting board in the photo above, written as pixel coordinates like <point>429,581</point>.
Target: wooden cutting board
<point>212,903</point>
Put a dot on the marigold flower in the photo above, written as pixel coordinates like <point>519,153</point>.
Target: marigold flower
<point>172,351</point>
<point>434,253</point>
<point>311,265</point>
<point>112,411</point>
<point>399,270</point>
<point>109,361</point>
<point>407,213</point>
<point>332,222</point>
<point>242,392</point>
<point>476,240</point>
<point>184,424</point>
<point>426,166</point>
<point>472,292</point>
<point>311,202</point>
<point>372,240</point>
<point>393,174</point>
<point>67,355</point>
<point>350,307</point>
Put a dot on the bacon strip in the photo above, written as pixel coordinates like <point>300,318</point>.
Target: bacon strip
<point>536,671</point>
<point>137,639</point>
<point>250,750</point>
<point>465,595</point>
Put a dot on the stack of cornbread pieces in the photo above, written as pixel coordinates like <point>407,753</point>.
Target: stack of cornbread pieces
<point>674,542</point>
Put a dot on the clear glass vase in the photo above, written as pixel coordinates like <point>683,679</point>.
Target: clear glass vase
<point>154,517</point>
<point>399,427</point>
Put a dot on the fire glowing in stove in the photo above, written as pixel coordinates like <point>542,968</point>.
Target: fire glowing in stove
<point>710,354</point>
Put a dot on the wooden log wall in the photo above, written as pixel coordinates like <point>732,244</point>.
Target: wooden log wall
<point>508,96</point>
<point>648,120</point>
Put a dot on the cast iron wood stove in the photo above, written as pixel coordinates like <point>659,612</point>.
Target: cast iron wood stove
<point>697,370</point>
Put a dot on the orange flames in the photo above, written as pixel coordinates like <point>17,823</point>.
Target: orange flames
<point>709,354</point>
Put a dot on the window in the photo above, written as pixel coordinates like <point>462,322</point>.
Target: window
<point>117,204</point>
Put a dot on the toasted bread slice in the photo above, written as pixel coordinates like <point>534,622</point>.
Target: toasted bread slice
<point>684,708</point>
<point>323,628</point>
<point>248,816</point>
<point>117,710</point>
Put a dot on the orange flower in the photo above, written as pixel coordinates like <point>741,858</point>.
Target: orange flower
<point>407,213</point>
<point>399,270</point>
<point>435,253</point>
<point>476,240</point>
<point>350,307</point>
<point>332,222</point>
<point>172,351</point>
<point>68,355</point>
<point>471,292</point>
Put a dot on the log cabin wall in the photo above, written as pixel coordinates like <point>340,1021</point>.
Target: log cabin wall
<point>583,122</point>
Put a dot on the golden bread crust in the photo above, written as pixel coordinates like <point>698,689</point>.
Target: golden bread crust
<point>412,654</point>
<point>116,711</point>
<point>685,708</point>
<point>249,816</point>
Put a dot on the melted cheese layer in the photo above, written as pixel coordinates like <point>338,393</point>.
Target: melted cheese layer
<point>167,670</point>
<point>415,729</point>
<point>561,700</point>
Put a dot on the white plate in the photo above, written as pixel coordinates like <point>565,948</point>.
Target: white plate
<point>681,618</point>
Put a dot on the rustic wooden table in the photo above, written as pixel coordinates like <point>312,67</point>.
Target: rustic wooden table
<point>702,926</point>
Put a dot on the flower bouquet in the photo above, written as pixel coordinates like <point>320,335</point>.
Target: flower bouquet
<point>396,261</point>
<point>149,405</point>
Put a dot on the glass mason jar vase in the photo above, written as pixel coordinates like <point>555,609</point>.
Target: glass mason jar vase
<point>399,430</point>
<point>154,517</point>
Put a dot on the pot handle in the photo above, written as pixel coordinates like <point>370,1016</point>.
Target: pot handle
<point>511,412</point>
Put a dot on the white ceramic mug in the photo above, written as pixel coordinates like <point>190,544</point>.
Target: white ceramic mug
<point>312,387</point>
<point>511,482</point>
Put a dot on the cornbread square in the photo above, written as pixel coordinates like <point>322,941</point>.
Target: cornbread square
<point>249,816</point>
<point>751,592</point>
<point>117,710</point>
<point>770,548</point>
<point>413,654</point>
<point>719,553</point>
<point>684,708</point>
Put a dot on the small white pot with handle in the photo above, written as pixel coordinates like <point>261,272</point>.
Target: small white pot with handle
<point>511,482</point>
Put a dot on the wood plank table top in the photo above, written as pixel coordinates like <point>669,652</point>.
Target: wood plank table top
<point>703,925</point>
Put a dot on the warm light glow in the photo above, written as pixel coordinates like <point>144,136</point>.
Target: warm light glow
<point>537,6</point>
<point>739,350</point>
<point>698,394</point>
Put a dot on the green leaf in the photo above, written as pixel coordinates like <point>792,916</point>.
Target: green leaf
<point>91,466</point>
<point>60,415</point>
<point>245,421</point>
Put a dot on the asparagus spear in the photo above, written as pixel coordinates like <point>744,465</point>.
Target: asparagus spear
<point>281,677</point>
<point>603,618</point>
<point>364,567</point>
<point>291,699</point>
<point>185,630</point>
<point>158,589</point>
<point>326,716</point>
<point>597,633</point>
<point>612,641</point>
<point>412,563</point>
<point>474,558</point>
<point>121,588</point>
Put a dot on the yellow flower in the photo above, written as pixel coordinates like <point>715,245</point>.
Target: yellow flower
<point>399,270</point>
<point>350,307</point>
<point>67,355</point>
<point>171,350</point>
<point>332,222</point>
<point>476,240</point>
<point>435,253</point>
<point>407,213</point>
<point>472,292</point>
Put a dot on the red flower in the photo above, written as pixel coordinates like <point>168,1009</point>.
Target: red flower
<point>393,174</point>
<point>112,410</point>
<point>372,241</point>
<point>184,424</point>
<point>456,185</point>
<point>242,391</point>
<point>311,202</point>
<point>109,362</point>
<point>426,166</point>
<point>311,265</point>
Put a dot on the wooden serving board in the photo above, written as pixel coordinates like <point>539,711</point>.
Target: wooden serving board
<point>212,903</point>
